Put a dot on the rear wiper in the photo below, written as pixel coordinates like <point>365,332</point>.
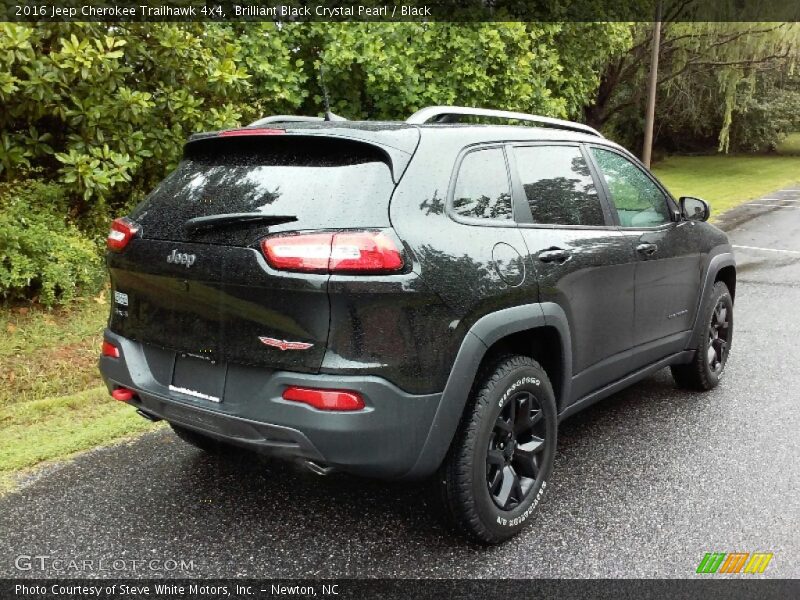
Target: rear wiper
<point>227,219</point>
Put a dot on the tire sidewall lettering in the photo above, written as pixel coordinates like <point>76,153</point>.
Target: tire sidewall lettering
<point>514,387</point>
<point>516,521</point>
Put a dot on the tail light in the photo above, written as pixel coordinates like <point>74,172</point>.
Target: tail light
<point>110,350</point>
<point>253,131</point>
<point>122,231</point>
<point>325,399</point>
<point>366,252</point>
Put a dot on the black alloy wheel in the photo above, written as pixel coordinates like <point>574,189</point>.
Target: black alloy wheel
<point>718,337</point>
<point>514,453</point>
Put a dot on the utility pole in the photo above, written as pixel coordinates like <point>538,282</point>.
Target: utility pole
<point>650,115</point>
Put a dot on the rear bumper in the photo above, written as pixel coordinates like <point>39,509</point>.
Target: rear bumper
<point>383,440</point>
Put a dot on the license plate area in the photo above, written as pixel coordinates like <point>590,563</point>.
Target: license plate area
<point>198,378</point>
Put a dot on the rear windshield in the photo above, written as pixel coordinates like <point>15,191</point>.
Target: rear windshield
<point>323,182</point>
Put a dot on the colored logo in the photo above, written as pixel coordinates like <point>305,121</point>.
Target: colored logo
<point>283,344</point>
<point>734,562</point>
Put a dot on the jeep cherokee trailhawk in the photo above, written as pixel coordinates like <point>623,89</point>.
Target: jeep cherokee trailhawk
<point>410,299</point>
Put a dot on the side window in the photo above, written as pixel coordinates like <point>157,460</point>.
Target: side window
<point>639,201</point>
<point>558,185</point>
<point>482,187</point>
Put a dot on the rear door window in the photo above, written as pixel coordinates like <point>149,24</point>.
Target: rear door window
<point>323,182</point>
<point>558,185</point>
<point>483,189</point>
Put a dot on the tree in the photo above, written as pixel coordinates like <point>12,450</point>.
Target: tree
<point>104,109</point>
<point>387,71</point>
<point>700,64</point>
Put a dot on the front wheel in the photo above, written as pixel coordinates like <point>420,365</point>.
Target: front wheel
<point>713,346</point>
<point>497,469</point>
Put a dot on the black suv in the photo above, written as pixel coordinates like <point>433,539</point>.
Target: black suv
<point>401,300</point>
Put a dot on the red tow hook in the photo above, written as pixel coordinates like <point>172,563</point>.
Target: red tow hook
<point>122,394</point>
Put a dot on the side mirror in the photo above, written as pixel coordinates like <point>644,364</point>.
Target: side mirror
<point>694,209</point>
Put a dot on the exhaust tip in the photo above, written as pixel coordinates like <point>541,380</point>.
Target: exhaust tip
<point>317,468</point>
<point>147,415</point>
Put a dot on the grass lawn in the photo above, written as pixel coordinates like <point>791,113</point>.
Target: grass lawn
<point>47,353</point>
<point>791,145</point>
<point>726,180</point>
<point>52,401</point>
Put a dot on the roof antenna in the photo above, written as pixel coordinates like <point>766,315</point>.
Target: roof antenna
<point>329,116</point>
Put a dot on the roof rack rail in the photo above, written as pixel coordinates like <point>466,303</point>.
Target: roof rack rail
<point>444,114</point>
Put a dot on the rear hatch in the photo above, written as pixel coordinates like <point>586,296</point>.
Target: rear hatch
<point>205,290</point>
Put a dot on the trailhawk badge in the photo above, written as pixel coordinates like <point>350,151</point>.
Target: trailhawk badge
<point>283,344</point>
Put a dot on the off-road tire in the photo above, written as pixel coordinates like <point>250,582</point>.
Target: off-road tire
<point>463,480</point>
<point>699,374</point>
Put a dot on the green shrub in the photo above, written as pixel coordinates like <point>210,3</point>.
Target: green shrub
<point>42,255</point>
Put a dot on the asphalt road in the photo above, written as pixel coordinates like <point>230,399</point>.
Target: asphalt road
<point>645,482</point>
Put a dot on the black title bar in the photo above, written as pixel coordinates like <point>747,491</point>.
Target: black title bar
<point>705,587</point>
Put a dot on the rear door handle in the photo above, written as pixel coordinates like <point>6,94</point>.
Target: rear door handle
<point>556,255</point>
<point>646,249</point>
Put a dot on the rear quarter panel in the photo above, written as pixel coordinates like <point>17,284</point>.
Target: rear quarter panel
<point>453,260</point>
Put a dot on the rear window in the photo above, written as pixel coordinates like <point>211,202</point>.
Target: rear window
<point>483,190</point>
<point>323,182</point>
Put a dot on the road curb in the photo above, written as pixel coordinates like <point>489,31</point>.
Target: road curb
<point>739,215</point>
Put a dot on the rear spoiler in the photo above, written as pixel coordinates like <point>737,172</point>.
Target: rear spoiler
<point>397,143</point>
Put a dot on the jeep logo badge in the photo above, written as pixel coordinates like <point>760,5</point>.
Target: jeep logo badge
<point>181,258</point>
